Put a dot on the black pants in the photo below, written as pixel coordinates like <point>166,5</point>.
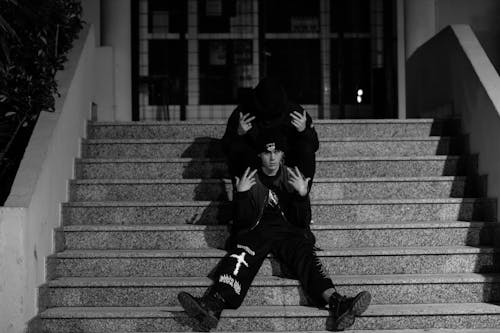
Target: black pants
<point>286,243</point>
<point>242,155</point>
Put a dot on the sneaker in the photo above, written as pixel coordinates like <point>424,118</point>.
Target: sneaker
<point>206,309</point>
<point>344,310</point>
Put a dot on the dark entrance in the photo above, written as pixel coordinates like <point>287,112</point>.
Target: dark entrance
<point>194,59</point>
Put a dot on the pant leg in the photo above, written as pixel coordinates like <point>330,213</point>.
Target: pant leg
<point>297,252</point>
<point>238,268</point>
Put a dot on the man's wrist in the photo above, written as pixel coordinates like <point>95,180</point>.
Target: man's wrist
<point>303,192</point>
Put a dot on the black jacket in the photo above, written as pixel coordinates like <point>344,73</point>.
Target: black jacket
<point>249,205</point>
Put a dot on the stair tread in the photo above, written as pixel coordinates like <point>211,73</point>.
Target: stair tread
<point>338,280</point>
<point>216,253</point>
<point>274,311</point>
<point>318,159</point>
<point>426,330</point>
<point>316,121</point>
<point>228,181</point>
<point>332,226</point>
<point>313,202</point>
<point>210,139</point>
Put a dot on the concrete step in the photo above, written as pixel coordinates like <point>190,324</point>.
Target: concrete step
<point>269,318</point>
<point>323,189</point>
<point>385,289</point>
<point>340,235</point>
<point>426,166</point>
<point>198,148</point>
<point>324,211</point>
<point>376,128</point>
<point>425,330</point>
<point>200,262</point>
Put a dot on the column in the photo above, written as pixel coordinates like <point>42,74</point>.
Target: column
<point>401,56</point>
<point>420,23</point>
<point>116,32</point>
<point>324,110</point>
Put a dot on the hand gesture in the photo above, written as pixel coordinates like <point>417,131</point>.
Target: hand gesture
<point>299,120</point>
<point>246,181</point>
<point>245,123</point>
<point>298,181</point>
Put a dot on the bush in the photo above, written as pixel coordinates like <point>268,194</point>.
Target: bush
<point>35,37</point>
<point>42,32</point>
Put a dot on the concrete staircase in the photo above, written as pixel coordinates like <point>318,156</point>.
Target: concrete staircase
<point>398,209</point>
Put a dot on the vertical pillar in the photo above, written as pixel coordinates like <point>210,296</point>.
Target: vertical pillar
<point>116,32</point>
<point>193,81</point>
<point>420,23</point>
<point>255,42</point>
<point>324,109</point>
<point>401,56</point>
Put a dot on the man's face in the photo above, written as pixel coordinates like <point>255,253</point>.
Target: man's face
<point>271,160</point>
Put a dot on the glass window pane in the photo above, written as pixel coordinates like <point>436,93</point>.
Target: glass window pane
<point>220,16</point>
<point>225,70</point>
<point>350,16</point>
<point>297,63</point>
<point>351,71</point>
<point>291,15</point>
<point>167,16</point>
<point>167,72</point>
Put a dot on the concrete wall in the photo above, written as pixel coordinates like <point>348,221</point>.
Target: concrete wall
<point>453,69</point>
<point>424,18</point>
<point>482,15</point>
<point>91,14</point>
<point>117,33</point>
<point>32,210</point>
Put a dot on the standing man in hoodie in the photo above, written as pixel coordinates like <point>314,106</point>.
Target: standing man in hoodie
<point>268,108</point>
<point>272,211</point>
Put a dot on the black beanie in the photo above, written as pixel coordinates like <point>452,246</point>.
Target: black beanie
<point>270,140</point>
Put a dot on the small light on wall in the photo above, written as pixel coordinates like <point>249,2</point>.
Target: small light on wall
<point>358,97</point>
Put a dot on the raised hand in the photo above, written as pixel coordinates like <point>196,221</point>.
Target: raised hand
<point>246,181</point>
<point>298,181</point>
<point>245,123</point>
<point>299,120</point>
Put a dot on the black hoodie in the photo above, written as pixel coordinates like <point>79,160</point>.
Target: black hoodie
<point>271,107</point>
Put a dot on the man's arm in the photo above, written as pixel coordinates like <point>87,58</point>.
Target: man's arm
<point>245,209</point>
<point>300,205</point>
<point>309,134</point>
<point>239,126</point>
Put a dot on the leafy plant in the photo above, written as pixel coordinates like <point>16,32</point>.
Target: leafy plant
<point>35,37</point>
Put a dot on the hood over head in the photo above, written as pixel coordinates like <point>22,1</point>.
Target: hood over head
<point>270,99</point>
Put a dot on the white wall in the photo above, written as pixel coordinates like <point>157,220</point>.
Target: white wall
<point>482,15</point>
<point>32,210</point>
<point>424,18</point>
<point>116,32</point>
<point>420,23</point>
<point>453,69</point>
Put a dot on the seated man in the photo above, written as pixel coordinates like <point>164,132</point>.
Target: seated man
<point>272,210</point>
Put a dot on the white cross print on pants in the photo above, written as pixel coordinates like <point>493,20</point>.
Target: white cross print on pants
<point>240,259</point>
